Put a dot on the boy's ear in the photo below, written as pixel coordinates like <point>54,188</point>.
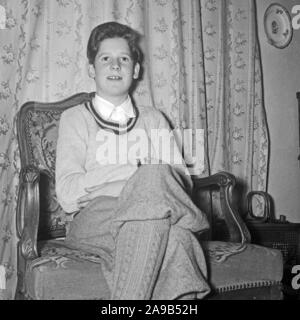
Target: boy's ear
<point>91,71</point>
<point>136,71</point>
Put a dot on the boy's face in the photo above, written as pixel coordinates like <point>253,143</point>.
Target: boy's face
<point>114,70</point>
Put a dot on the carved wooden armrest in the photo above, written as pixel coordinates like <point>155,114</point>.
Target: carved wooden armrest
<point>28,210</point>
<point>226,182</point>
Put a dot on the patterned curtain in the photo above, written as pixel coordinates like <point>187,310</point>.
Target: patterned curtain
<point>238,138</point>
<point>202,69</point>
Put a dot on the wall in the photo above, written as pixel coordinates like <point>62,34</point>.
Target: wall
<point>281,72</point>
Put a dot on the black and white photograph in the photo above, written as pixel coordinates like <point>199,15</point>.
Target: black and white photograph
<point>149,151</point>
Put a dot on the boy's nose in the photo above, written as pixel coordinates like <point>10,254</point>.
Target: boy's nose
<point>115,65</point>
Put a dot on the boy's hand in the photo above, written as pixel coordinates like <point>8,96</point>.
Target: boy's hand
<point>101,190</point>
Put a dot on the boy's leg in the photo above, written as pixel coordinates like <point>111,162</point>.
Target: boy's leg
<point>183,274</point>
<point>153,200</point>
<point>90,232</point>
<point>140,248</point>
<point>158,192</point>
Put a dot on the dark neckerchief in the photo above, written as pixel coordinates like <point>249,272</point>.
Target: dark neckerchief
<point>109,125</point>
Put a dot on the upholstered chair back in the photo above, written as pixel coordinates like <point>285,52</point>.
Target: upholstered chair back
<point>38,125</point>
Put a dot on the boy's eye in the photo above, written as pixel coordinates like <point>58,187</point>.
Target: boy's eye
<point>104,58</point>
<point>125,59</point>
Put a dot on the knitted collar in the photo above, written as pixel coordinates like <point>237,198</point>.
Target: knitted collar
<point>109,125</point>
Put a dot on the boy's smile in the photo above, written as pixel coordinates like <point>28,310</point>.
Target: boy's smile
<point>114,70</point>
<point>114,78</point>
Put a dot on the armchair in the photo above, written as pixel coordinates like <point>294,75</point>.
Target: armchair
<point>47,269</point>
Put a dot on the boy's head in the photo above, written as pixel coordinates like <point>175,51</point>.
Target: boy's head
<point>113,30</point>
<point>114,60</point>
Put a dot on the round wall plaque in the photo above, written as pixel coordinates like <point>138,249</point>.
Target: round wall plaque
<point>278,26</point>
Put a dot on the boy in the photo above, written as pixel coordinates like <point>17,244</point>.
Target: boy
<point>140,218</point>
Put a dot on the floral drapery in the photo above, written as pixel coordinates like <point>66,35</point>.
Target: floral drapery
<point>202,69</point>
<point>238,138</point>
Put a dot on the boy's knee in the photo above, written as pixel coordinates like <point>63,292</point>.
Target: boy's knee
<point>145,228</point>
<point>150,224</point>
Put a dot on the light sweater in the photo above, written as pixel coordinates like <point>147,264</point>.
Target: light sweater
<point>84,156</point>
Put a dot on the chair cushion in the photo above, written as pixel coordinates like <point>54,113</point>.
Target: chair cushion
<point>66,273</point>
<point>63,273</point>
<point>235,266</point>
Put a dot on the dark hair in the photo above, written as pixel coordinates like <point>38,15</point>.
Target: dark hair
<point>113,30</point>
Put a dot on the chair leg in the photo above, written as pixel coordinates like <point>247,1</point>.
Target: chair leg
<point>21,263</point>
